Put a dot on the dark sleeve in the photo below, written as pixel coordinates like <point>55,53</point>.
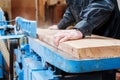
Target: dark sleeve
<point>67,20</point>
<point>95,15</point>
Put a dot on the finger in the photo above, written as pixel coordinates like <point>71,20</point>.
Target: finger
<point>64,39</point>
<point>54,27</point>
<point>57,39</point>
<point>51,28</point>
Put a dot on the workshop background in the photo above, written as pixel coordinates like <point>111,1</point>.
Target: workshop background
<point>45,12</point>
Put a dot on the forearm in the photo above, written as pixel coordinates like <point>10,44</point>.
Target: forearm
<point>67,20</point>
<point>94,16</point>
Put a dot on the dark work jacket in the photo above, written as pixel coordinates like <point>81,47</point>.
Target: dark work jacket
<point>99,17</point>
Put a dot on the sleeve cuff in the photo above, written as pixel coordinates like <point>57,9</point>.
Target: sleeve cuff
<point>85,28</point>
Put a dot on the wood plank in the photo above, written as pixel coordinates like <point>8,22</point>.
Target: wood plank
<point>90,47</point>
<point>54,2</point>
<point>5,53</point>
<point>40,12</point>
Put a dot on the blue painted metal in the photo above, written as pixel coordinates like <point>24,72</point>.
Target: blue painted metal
<point>33,66</point>
<point>1,66</point>
<point>20,64</point>
<point>11,36</point>
<point>36,69</point>
<point>26,48</point>
<point>25,67</point>
<point>28,27</point>
<point>43,75</point>
<point>33,70</point>
<point>30,65</point>
<point>29,61</point>
<point>1,17</point>
<point>1,22</point>
<point>72,65</point>
<point>19,71</point>
<point>18,55</point>
<point>1,33</point>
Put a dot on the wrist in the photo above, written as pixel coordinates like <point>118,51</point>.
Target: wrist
<point>79,33</point>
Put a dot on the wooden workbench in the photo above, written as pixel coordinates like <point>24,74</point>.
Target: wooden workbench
<point>90,47</point>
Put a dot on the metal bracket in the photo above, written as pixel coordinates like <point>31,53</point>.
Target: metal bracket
<point>28,27</point>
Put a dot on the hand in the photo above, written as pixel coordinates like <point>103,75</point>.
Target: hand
<point>66,35</point>
<point>53,27</point>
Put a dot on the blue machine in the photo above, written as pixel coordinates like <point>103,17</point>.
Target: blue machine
<point>8,32</point>
<point>35,61</point>
<point>2,23</point>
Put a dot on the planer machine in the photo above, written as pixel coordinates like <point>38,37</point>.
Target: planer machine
<point>37,60</point>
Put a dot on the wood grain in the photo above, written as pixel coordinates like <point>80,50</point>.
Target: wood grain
<point>54,2</point>
<point>90,47</point>
<point>5,53</point>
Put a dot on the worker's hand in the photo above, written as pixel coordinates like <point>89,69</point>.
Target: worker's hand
<point>53,27</point>
<point>66,35</point>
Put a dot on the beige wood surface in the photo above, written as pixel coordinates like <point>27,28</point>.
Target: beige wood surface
<point>5,53</point>
<point>54,2</point>
<point>90,47</point>
<point>40,12</point>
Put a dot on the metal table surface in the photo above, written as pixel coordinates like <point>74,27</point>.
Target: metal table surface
<point>67,63</point>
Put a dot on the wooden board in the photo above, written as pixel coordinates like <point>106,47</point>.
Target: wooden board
<point>90,47</point>
<point>54,2</point>
<point>5,53</point>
